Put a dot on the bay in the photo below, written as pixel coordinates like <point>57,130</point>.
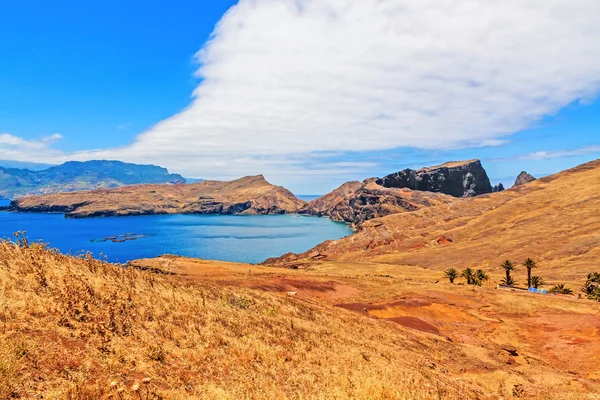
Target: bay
<point>249,239</point>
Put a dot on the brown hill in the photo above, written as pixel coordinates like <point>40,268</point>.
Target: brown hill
<point>175,328</point>
<point>248,195</point>
<point>554,220</point>
<point>356,202</point>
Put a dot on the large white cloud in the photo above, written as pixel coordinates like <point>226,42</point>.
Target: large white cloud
<point>283,79</point>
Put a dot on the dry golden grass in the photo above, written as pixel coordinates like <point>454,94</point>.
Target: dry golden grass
<point>79,328</point>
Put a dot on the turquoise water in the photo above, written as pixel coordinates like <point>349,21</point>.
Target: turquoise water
<point>249,239</point>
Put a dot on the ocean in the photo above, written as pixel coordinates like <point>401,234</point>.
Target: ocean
<point>249,239</point>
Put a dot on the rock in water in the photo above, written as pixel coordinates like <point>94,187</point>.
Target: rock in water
<point>524,178</point>
<point>458,179</point>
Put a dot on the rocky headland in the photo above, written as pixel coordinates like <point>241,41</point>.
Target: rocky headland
<point>356,202</point>
<point>457,179</point>
<point>248,195</point>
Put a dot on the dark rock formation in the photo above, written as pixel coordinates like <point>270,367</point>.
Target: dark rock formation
<point>356,202</point>
<point>458,179</point>
<point>498,188</point>
<point>524,178</point>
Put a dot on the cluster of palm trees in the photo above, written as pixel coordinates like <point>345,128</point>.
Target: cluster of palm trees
<point>592,287</point>
<point>532,281</point>
<point>472,276</point>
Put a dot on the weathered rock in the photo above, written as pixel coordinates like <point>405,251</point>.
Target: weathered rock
<point>249,195</point>
<point>498,188</point>
<point>356,202</point>
<point>458,179</point>
<point>524,178</point>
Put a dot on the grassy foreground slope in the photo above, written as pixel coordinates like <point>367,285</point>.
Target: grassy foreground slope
<point>79,328</point>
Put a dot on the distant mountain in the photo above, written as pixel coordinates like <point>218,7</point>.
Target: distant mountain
<point>25,165</point>
<point>76,176</point>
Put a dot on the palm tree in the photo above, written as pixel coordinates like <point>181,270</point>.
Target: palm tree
<point>508,266</point>
<point>481,276</point>
<point>469,275</point>
<point>529,264</point>
<point>451,274</point>
<point>561,289</point>
<point>536,281</point>
<point>592,286</point>
<point>508,281</point>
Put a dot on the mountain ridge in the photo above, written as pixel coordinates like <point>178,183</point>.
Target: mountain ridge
<point>75,176</point>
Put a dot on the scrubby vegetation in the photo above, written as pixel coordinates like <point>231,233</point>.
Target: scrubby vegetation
<point>80,328</point>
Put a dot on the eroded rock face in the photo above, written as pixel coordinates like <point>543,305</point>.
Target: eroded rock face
<point>524,178</point>
<point>458,179</point>
<point>356,202</point>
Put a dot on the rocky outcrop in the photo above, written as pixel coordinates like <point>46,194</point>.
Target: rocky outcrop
<point>498,188</point>
<point>524,178</point>
<point>249,195</point>
<point>356,202</point>
<point>458,179</point>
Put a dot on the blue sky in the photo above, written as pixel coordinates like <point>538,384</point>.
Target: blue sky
<point>98,73</point>
<point>101,76</point>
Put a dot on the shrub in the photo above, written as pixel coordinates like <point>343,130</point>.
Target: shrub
<point>537,281</point>
<point>560,289</point>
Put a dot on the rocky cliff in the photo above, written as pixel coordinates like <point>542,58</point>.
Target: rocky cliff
<point>356,202</point>
<point>458,179</point>
<point>249,195</point>
<point>524,178</point>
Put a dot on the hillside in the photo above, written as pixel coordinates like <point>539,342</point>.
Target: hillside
<point>77,328</point>
<point>76,176</point>
<point>356,202</point>
<point>249,195</point>
<point>173,328</point>
<point>554,220</point>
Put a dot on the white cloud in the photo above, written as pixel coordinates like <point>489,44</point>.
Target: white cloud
<point>546,155</point>
<point>18,149</point>
<point>285,78</point>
